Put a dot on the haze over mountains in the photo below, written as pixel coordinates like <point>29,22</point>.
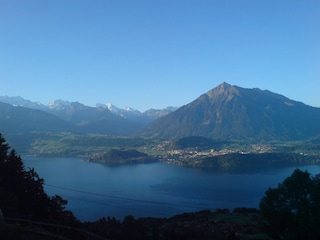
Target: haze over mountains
<point>225,112</point>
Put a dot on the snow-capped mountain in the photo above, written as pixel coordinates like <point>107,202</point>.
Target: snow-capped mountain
<point>63,105</point>
<point>58,104</point>
<point>103,118</point>
<point>21,102</point>
<point>126,112</point>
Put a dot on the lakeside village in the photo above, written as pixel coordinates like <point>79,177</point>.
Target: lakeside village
<point>220,155</point>
<point>184,157</point>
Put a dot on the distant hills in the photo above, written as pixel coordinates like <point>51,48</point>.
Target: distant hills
<point>226,112</point>
<point>232,112</point>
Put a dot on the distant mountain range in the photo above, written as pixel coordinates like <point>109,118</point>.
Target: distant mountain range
<point>20,115</point>
<point>232,112</point>
<point>226,112</point>
<point>62,105</point>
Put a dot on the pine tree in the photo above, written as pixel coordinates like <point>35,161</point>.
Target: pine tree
<point>22,193</point>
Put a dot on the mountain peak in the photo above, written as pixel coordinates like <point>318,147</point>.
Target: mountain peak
<point>19,101</point>
<point>224,85</point>
<point>222,91</point>
<point>58,102</point>
<point>232,112</point>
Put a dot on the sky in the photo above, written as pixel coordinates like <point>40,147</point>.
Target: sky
<point>157,53</point>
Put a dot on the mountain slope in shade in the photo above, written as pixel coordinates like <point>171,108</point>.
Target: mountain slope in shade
<point>15,119</point>
<point>232,112</point>
<point>74,117</point>
<point>157,113</point>
<point>87,119</point>
<point>104,118</point>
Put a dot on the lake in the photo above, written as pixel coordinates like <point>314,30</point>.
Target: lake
<point>158,189</point>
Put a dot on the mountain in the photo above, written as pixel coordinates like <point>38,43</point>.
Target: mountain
<point>105,118</point>
<point>21,102</point>
<point>74,116</point>
<point>157,113</point>
<point>232,112</point>
<point>59,107</point>
<point>130,113</point>
<point>93,119</point>
<point>16,119</point>
<point>127,112</point>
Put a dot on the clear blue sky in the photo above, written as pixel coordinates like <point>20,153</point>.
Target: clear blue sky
<point>153,54</point>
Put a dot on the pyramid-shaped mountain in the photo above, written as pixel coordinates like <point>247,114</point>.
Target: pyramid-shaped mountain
<point>232,112</point>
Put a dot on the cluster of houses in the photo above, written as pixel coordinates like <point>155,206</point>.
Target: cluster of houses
<point>182,156</point>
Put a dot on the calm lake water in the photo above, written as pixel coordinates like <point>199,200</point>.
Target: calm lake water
<point>158,189</point>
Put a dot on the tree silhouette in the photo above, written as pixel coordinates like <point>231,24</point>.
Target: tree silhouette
<point>293,208</point>
<point>22,194</point>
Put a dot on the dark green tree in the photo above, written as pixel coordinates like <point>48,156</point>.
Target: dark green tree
<point>292,210</point>
<point>22,194</point>
<point>12,180</point>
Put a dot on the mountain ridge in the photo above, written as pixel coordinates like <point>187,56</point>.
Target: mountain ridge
<point>61,115</point>
<point>232,112</point>
<point>60,104</point>
<point>224,112</point>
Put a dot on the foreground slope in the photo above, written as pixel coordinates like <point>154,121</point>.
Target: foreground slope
<point>232,112</point>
